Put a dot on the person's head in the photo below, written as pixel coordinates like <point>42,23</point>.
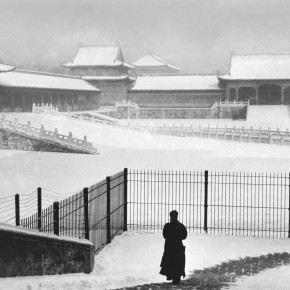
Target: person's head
<point>173,215</point>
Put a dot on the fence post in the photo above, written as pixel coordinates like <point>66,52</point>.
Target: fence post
<point>125,198</point>
<point>108,179</point>
<point>86,212</point>
<point>205,199</point>
<point>17,210</point>
<point>289,206</point>
<point>39,207</point>
<point>56,218</point>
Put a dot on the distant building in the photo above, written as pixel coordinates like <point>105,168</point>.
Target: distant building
<point>176,91</point>
<point>151,64</point>
<point>104,67</point>
<point>19,89</point>
<point>4,67</point>
<point>260,78</point>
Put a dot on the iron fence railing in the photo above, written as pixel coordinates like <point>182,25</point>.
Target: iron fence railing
<point>95,213</point>
<point>253,204</point>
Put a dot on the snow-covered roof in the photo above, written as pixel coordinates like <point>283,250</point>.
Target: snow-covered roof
<point>6,67</point>
<point>176,83</point>
<point>266,66</point>
<point>29,79</point>
<point>150,60</point>
<point>97,56</point>
<point>121,77</point>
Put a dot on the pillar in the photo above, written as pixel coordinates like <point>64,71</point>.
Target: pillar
<point>23,103</point>
<point>237,93</point>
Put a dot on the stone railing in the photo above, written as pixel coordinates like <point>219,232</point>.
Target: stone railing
<point>232,133</point>
<point>44,108</point>
<point>90,118</point>
<point>125,103</point>
<point>52,136</point>
<point>233,103</point>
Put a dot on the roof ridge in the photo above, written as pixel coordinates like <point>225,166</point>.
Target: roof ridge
<point>261,53</point>
<point>46,74</point>
<point>100,45</point>
<point>159,59</point>
<point>178,74</point>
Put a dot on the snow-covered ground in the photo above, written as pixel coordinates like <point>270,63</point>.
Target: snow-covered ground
<point>23,172</point>
<point>134,258</point>
<point>273,279</point>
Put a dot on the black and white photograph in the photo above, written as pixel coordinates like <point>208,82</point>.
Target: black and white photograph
<point>144,144</point>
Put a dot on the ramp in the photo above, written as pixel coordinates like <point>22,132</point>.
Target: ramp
<point>95,116</point>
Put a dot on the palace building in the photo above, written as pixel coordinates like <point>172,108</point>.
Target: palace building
<point>104,67</point>
<point>4,67</point>
<point>176,91</point>
<point>259,78</point>
<point>19,89</point>
<point>99,76</point>
<point>151,64</point>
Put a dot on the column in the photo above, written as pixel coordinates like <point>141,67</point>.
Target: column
<point>282,94</point>
<point>23,103</point>
<point>12,102</point>
<point>257,94</point>
<point>237,94</point>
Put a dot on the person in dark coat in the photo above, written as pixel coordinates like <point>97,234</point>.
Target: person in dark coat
<point>173,260</point>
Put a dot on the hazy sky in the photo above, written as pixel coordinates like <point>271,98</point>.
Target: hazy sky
<point>195,35</point>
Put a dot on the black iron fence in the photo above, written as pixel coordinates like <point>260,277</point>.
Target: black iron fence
<point>96,213</point>
<point>253,204</point>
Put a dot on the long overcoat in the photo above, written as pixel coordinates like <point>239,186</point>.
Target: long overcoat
<point>173,259</point>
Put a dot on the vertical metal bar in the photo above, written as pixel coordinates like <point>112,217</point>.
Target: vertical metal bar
<point>108,179</point>
<point>247,204</point>
<point>137,198</point>
<point>39,207</point>
<point>232,203</point>
<point>145,199</point>
<point>86,212</point>
<point>17,210</point>
<point>66,217</point>
<point>262,217</point>
<point>69,216</point>
<point>289,205</point>
<point>214,202</point>
<point>225,201</point>
<point>259,204</point>
<point>205,199</point>
<point>240,211</point>
<point>151,200</point>
<point>125,221</point>
<point>56,218</point>
<point>161,196</point>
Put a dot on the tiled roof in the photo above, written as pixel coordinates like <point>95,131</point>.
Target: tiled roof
<point>150,60</point>
<point>266,66</point>
<point>176,82</point>
<point>29,79</point>
<point>121,77</point>
<point>97,56</point>
<point>6,67</point>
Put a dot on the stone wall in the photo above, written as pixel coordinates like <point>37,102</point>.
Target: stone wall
<point>25,252</point>
<point>223,112</point>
